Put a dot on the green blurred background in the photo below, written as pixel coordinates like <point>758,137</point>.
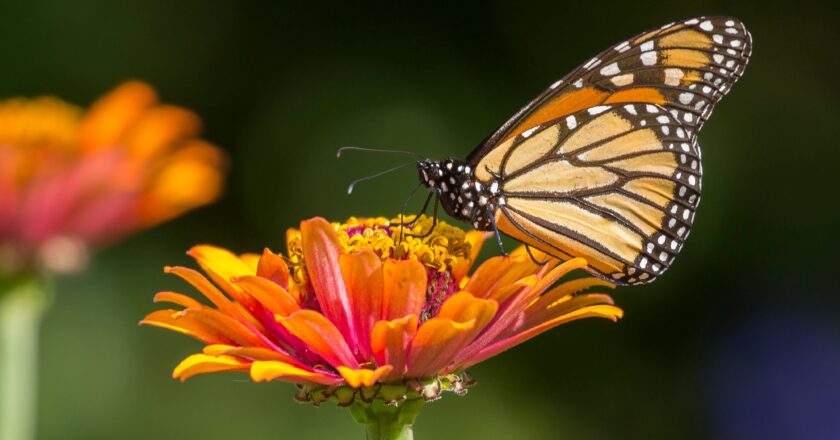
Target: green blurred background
<point>739,340</point>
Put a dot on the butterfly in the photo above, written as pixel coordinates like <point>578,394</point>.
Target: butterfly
<point>605,163</point>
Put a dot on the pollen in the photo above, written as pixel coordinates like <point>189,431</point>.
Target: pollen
<point>439,246</point>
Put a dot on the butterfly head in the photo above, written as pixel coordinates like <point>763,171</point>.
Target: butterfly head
<point>460,193</point>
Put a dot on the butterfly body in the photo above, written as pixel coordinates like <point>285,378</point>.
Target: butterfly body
<point>605,163</point>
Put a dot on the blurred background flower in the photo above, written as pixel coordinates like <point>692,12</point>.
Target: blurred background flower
<point>71,179</point>
<point>281,85</point>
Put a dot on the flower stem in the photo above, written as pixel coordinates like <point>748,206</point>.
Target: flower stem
<point>387,422</point>
<point>22,301</point>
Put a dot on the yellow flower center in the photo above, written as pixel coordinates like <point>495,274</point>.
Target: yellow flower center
<point>439,250</point>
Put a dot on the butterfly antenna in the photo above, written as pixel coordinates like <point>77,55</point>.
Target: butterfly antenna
<point>381,173</point>
<point>377,150</point>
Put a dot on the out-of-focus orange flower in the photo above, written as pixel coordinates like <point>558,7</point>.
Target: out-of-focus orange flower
<point>71,178</point>
<point>356,307</point>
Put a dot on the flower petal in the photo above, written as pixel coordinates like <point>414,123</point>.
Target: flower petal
<point>389,343</point>
<point>221,266</point>
<point>363,377</point>
<point>230,327</point>
<point>271,370</point>
<point>177,298</point>
<point>435,345</point>
<point>497,273</point>
<point>476,240</point>
<point>110,116</point>
<point>174,320</point>
<point>158,129</point>
<point>600,311</point>
<point>321,248</point>
<point>404,288</point>
<point>464,307</point>
<point>202,364</point>
<point>321,336</point>
<point>271,266</point>
<point>204,286</point>
<point>538,310</point>
<point>273,297</point>
<point>362,273</point>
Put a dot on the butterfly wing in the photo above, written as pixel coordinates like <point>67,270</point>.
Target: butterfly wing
<point>617,184</point>
<point>605,163</point>
<point>686,67</point>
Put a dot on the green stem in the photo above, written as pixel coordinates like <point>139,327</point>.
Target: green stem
<point>387,422</point>
<point>22,302</point>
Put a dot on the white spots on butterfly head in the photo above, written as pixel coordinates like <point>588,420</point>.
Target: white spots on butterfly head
<point>598,109</point>
<point>648,58</point>
<point>686,97</point>
<point>571,122</point>
<point>623,80</point>
<point>707,26</point>
<point>673,76</point>
<point>610,69</point>
<point>630,109</point>
<point>646,46</point>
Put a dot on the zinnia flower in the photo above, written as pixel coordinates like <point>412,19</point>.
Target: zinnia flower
<point>70,178</point>
<point>370,317</point>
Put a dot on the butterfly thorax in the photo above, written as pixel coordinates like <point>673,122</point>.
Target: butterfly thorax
<point>460,193</point>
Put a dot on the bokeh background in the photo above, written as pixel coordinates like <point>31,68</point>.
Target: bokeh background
<point>739,340</point>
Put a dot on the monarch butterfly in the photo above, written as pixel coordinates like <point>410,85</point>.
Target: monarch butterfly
<point>604,164</point>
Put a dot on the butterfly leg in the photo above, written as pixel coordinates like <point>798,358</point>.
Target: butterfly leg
<point>498,235</point>
<point>534,259</point>
<point>422,210</point>
<point>434,219</point>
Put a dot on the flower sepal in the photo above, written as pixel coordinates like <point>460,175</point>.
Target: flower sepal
<point>427,390</point>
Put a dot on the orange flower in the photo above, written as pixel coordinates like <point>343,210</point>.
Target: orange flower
<point>71,178</point>
<point>356,310</point>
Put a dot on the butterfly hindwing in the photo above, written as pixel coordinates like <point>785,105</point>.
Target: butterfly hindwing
<point>617,184</point>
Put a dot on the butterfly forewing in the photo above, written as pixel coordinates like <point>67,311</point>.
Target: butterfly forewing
<point>617,184</point>
<point>685,67</point>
